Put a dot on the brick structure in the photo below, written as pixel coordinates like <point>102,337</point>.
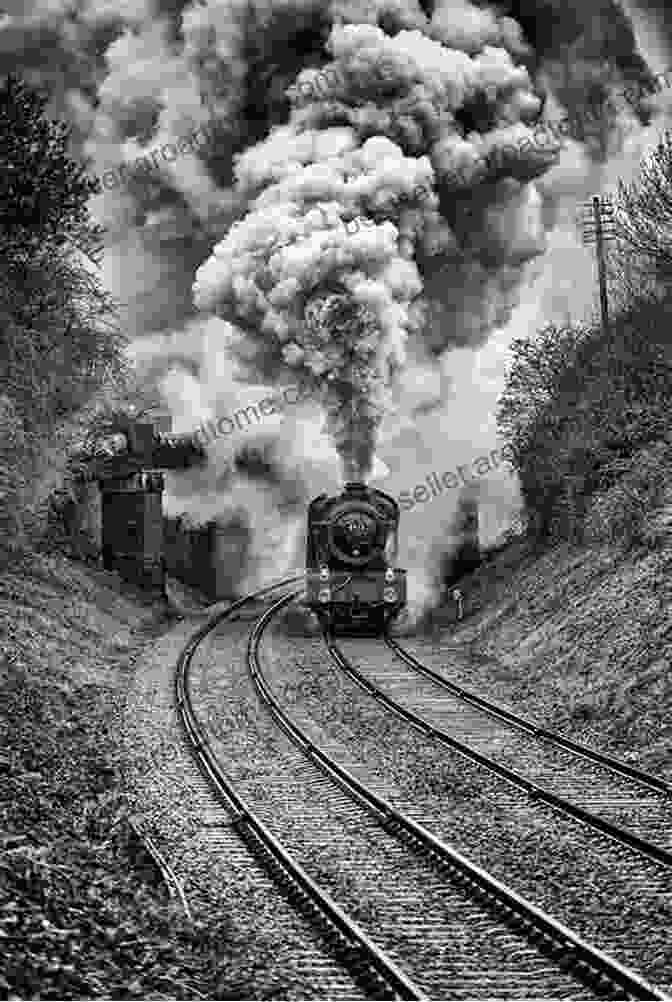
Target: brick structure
<point>210,557</point>
<point>132,529</point>
<point>114,509</point>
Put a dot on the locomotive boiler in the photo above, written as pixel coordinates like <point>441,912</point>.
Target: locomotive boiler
<point>352,583</point>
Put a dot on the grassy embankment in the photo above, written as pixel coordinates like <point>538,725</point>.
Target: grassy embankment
<point>576,637</point>
<point>81,913</point>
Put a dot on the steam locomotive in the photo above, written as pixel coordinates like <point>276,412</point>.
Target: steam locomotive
<point>351,581</point>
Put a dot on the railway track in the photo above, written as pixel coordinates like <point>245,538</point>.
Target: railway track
<point>521,723</point>
<point>371,969</point>
<point>426,909</point>
<point>290,956</point>
<point>627,804</point>
<point>474,743</point>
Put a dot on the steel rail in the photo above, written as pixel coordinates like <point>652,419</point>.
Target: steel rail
<point>591,964</point>
<point>368,962</point>
<point>622,836</point>
<point>523,724</point>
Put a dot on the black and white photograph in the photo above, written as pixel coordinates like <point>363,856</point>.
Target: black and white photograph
<point>336,500</point>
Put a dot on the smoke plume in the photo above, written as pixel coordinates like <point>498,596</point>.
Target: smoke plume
<point>355,197</point>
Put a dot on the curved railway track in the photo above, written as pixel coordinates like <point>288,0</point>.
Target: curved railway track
<point>454,924</point>
<point>521,723</point>
<point>629,805</point>
<point>377,973</point>
<point>429,724</point>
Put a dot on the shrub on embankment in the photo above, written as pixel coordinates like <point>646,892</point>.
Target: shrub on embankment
<point>587,415</point>
<point>80,915</point>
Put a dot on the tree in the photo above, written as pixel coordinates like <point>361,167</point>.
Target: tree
<point>58,339</point>
<point>577,403</point>
<point>124,400</point>
<point>541,414</point>
<point>644,210</point>
<point>534,380</point>
<point>631,277</point>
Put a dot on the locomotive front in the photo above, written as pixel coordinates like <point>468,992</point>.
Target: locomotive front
<point>351,547</point>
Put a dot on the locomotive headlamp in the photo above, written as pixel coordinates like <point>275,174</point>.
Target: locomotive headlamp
<point>390,595</point>
<point>389,574</point>
<point>324,595</point>
<point>324,573</point>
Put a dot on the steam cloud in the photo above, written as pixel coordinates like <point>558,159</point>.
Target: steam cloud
<point>357,189</point>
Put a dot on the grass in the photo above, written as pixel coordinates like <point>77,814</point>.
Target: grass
<point>81,913</point>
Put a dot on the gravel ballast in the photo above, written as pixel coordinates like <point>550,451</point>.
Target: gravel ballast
<point>602,891</point>
<point>357,861</point>
<point>279,954</point>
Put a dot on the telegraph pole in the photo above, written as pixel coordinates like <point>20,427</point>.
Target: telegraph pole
<point>598,227</point>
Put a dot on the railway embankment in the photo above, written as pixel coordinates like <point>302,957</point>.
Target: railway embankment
<point>82,910</point>
<point>576,636</point>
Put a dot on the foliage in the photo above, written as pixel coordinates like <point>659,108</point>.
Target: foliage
<point>55,344</point>
<point>630,277</point>
<point>81,913</point>
<point>629,492</point>
<point>535,379</point>
<point>579,401</point>
<point>644,210</point>
<point>123,400</point>
<point>58,336</point>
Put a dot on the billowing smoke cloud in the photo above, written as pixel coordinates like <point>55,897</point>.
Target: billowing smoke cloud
<point>357,194</point>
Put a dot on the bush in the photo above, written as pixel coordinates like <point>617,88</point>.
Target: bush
<point>634,489</point>
<point>579,404</point>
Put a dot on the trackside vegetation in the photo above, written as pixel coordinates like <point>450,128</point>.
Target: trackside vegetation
<point>586,410</point>
<point>569,618</point>
<point>82,911</point>
<point>59,334</point>
<point>587,416</point>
